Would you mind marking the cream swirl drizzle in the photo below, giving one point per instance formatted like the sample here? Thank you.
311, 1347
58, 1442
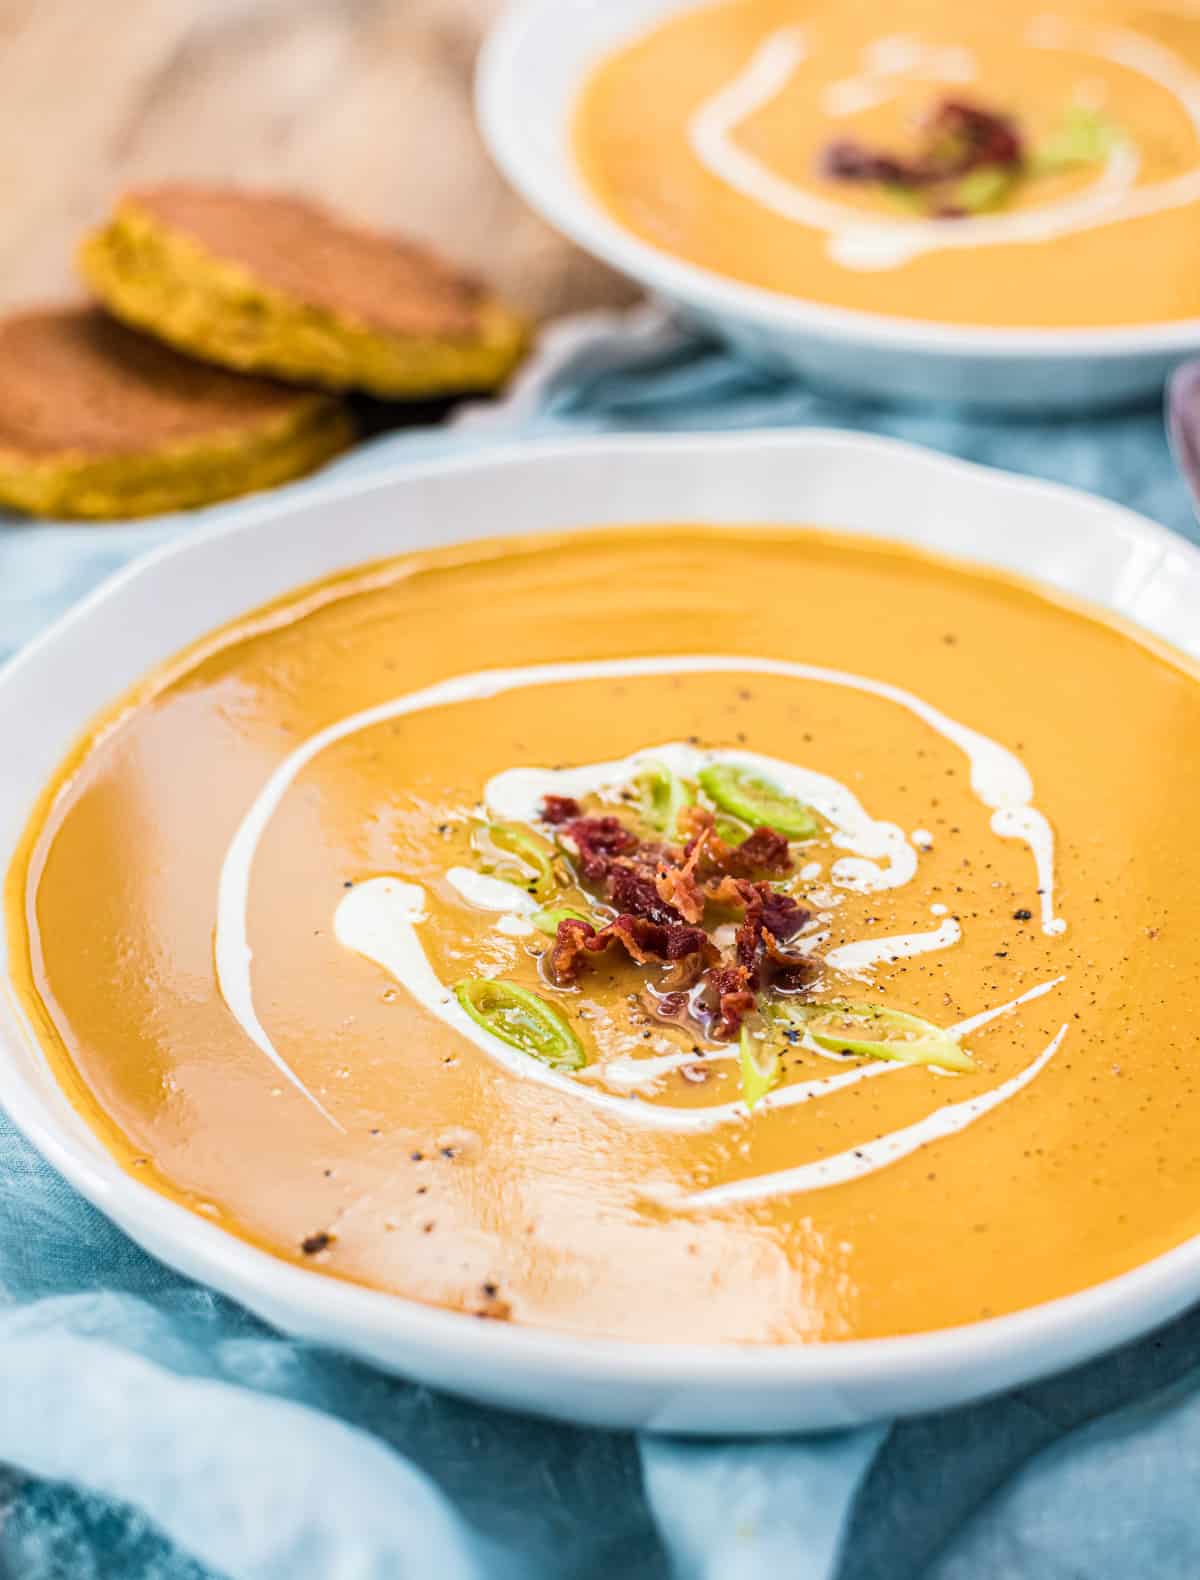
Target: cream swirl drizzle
485, 893
628, 1074
874, 1155
890, 62
860, 957
860, 242
881, 856
379, 919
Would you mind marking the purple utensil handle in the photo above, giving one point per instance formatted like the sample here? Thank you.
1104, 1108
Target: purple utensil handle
1183, 424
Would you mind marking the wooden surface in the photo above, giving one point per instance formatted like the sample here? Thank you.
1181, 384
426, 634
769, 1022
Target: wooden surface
365, 102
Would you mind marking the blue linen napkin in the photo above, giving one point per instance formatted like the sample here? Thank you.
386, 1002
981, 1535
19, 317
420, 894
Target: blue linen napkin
151, 1430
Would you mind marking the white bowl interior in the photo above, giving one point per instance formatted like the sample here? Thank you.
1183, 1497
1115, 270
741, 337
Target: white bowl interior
48, 696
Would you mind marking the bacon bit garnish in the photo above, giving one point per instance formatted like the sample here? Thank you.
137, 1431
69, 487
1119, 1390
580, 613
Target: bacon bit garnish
708, 862
779, 913
965, 136
783, 969
844, 159
769, 915
598, 840
661, 893
774, 950
559, 808
678, 887
728, 890
729, 990
693, 821
789, 972
633, 891
703, 839
762, 851
571, 943
642, 940
959, 138
746, 942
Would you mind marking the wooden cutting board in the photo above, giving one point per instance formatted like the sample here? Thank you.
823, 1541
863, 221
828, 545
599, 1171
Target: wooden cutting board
365, 102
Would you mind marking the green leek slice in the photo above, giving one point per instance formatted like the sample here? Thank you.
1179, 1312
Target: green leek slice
906, 197
758, 1059
662, 796
522, 1020
534, 868
731, 829
1083, 137
989, 187
762, 805
547, 921
873, 1031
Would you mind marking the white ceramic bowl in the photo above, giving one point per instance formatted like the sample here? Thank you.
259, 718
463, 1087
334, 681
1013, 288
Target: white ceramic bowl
49, 694
530, 72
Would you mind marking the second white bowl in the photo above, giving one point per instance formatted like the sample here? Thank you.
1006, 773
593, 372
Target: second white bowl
530, 72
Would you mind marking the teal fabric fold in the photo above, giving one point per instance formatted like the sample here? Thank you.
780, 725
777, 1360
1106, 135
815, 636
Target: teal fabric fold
152, 1430
737, 1511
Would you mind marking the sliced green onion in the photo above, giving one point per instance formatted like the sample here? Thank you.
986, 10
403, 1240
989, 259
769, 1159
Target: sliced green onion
758, 1057
731, 829
547, 921
762, 805
986, 188
906, 197
873, 1031
535, 863
1083, 137
662, 796
522, 1020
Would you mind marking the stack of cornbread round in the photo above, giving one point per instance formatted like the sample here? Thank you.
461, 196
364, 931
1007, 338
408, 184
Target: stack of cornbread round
230, 327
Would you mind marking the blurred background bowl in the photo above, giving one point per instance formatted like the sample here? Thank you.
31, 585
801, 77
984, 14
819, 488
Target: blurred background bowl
532, 67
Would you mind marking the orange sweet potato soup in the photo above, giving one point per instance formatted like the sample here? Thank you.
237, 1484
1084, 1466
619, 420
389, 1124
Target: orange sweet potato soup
1004, 164
673, 932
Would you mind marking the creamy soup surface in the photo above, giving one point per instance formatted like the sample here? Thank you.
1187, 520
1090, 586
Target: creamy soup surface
1004, 164
675, 933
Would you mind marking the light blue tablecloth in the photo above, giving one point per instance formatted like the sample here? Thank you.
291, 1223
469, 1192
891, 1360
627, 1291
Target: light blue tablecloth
153, 1431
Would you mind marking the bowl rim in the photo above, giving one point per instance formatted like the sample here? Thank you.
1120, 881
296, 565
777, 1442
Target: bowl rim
575, 214
1063, 1330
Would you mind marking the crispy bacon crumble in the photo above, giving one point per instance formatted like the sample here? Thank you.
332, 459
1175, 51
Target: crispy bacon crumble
642, 940
663, 895
732, 999
559, 809
958, 139
598, 840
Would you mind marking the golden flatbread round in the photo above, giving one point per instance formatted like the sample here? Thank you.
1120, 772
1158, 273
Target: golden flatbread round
99, 422
278, 285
